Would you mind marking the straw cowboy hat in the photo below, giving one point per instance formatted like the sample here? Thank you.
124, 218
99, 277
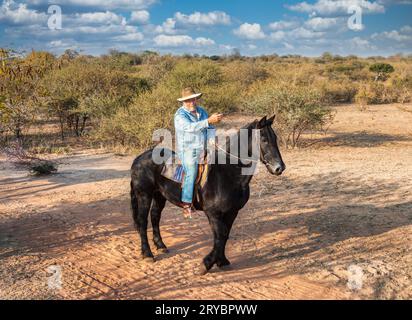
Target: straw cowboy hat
189, 93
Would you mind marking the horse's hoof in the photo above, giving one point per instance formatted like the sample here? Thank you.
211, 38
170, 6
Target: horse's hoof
223, 263
226, 267
148, 259
201, 270
163, 250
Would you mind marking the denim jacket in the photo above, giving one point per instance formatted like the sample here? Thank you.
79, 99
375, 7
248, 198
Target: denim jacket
192, 133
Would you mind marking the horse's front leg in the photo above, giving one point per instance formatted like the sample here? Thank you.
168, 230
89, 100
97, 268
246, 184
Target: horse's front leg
228, 220
220, 236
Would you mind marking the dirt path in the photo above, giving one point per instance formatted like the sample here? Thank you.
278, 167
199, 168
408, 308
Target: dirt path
342, 211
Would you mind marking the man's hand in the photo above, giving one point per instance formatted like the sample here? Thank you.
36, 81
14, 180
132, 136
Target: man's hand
215, 118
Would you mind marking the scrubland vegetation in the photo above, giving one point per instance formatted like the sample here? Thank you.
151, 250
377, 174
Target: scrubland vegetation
49, 103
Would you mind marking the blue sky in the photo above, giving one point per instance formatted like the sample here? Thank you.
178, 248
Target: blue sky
210, 27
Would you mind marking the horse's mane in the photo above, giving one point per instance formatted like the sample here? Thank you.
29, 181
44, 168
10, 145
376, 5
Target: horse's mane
249, 126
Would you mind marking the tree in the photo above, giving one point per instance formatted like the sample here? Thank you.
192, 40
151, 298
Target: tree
19, 78
382, 71
82, 92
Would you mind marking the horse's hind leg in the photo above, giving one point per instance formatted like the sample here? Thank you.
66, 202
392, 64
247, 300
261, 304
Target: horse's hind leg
158, 205
141, 202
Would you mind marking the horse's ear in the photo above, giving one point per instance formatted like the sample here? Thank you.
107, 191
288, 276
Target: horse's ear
271, 119
262, 123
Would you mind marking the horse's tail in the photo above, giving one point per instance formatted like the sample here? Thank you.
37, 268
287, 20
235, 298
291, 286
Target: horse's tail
134, 206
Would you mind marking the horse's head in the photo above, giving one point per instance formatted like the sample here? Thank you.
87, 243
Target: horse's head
269, 150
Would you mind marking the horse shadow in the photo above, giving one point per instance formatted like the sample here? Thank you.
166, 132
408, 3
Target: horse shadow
353, 210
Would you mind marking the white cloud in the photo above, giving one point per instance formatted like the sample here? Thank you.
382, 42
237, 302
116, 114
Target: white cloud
406, 29
19, 14
203, 19
108, 29
141, 17
300, 34
101, 4
303, 33
321, 24
277, 35
181, 22
283, 25
59, 44
394, 40
331, 7
250, 31
100, 18
226, 47
168, 27
360, 44
204, 41
134, 36
288, 46
92, 32
181, 41
394, 35
394, 2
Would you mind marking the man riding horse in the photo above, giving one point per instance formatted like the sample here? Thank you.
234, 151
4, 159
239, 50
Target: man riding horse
193, 129
227, 189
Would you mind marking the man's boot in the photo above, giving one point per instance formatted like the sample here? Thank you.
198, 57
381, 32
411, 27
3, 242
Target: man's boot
188, 210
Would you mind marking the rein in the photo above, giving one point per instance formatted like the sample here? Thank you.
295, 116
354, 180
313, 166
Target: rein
250, 160
232, 155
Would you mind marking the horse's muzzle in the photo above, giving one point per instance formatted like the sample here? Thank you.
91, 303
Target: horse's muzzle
277, 169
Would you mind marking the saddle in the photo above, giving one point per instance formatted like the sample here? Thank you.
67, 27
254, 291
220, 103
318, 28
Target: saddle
173, 170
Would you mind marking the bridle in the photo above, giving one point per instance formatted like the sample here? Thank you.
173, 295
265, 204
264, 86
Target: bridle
262, 156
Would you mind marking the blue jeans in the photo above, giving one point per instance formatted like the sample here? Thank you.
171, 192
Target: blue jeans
190, 160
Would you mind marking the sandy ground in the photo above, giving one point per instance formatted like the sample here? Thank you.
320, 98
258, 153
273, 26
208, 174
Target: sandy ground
336, 225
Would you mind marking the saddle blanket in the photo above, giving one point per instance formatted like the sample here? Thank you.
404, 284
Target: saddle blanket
174, 171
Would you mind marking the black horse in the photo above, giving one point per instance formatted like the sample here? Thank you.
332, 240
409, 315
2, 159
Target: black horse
225, 193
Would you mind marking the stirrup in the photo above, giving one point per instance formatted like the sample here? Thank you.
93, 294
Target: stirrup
188, 211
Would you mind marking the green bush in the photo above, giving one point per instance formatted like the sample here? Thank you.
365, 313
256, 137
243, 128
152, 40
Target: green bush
382, 71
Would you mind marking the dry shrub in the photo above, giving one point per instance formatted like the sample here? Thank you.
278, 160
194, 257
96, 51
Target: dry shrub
223, 99
17, 154
296, 73
297, 109
337, 91
244, 73
380, 93
156, 68
134, 127
123, 97
402, 87
197, 74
